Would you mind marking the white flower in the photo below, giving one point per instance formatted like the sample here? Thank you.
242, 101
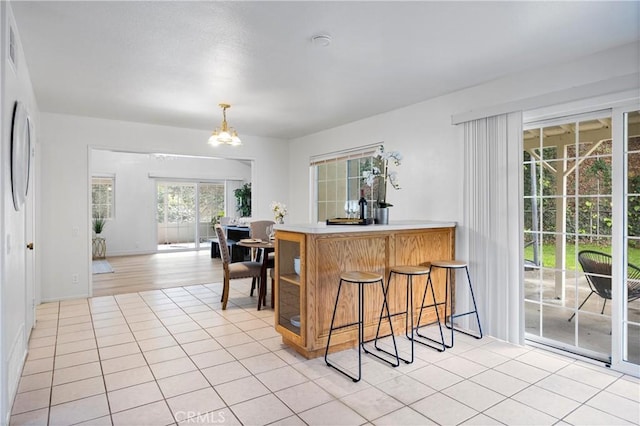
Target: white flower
279, 209
380, 168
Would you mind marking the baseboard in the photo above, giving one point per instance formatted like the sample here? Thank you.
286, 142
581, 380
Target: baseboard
15, 364
130, 253
58, 299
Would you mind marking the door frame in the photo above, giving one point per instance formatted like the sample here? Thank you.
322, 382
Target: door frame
619, 247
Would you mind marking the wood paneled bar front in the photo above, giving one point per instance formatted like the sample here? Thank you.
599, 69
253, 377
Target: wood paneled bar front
305, 297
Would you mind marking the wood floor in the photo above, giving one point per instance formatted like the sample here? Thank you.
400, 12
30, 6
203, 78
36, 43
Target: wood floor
156, 271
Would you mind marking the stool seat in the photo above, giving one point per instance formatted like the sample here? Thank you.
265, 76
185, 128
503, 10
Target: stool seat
411, 270
454, 264
360, 277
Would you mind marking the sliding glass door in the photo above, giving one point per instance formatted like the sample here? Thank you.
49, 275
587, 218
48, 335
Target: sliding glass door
627, 343
581, 230
185, 211
568, 223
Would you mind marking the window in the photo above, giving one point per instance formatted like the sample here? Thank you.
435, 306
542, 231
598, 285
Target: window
102, 197
339, 178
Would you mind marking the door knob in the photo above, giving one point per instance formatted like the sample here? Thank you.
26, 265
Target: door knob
30, 246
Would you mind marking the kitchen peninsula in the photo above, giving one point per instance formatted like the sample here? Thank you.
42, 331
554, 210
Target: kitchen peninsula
304, 298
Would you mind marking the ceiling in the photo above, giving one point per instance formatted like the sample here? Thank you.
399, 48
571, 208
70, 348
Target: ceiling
173, 62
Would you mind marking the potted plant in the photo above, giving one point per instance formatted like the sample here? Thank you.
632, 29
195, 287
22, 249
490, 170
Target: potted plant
98, 225
379, 176
243, 200
99, 246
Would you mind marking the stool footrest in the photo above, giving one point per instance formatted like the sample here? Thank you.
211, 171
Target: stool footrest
475, 336
351, 324
462, 314
440, 348
406, 361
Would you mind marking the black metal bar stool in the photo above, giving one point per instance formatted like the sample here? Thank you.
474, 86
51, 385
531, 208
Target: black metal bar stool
361, 279
409, 327
451, 266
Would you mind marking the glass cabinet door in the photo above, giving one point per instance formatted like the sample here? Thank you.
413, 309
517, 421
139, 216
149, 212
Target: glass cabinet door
290, 271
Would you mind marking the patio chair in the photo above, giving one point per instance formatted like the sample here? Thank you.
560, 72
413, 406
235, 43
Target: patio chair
597, 270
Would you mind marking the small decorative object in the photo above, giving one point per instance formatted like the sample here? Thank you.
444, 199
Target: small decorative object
296, 265
295, 321
20, 154
363, 206
382, 215
279, 211
378, 177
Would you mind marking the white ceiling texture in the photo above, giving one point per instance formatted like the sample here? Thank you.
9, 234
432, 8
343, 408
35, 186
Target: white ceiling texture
173, 62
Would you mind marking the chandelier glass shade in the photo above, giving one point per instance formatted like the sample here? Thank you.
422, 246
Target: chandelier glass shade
224, 135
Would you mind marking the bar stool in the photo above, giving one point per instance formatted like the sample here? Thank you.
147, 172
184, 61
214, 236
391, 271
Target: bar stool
451, 266
410, 272
361, 279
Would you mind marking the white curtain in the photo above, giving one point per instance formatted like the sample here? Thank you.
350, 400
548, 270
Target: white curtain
491, 232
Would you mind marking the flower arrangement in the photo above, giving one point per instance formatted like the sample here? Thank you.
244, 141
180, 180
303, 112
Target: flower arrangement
279, 210
381, 175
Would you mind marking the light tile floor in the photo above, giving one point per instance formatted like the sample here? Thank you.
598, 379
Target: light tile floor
174, 357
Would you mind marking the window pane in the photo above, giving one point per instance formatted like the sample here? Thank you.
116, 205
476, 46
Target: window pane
339, 181
102, 197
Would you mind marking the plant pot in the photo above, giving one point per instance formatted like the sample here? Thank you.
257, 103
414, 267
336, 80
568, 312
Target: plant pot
382, 216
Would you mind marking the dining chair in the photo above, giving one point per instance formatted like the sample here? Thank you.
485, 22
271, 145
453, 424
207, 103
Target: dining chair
234, 270
259, 229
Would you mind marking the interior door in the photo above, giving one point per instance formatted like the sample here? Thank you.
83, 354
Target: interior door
30, 253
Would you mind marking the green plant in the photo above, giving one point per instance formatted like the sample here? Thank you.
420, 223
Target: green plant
216, 219
243, 200
98, 224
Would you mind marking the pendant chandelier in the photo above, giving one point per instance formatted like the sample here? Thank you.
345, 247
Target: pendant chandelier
225, 134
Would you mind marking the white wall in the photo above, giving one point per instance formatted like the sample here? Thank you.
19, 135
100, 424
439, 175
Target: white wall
133, 228
431, 174
15, 84
67, 142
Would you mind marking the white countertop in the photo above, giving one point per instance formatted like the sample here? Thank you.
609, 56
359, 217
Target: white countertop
323, 228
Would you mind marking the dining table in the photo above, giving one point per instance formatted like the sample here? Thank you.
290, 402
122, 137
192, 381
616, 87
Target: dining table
263, 248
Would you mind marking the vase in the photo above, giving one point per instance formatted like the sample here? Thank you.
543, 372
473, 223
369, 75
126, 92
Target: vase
279, 220
382, 215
